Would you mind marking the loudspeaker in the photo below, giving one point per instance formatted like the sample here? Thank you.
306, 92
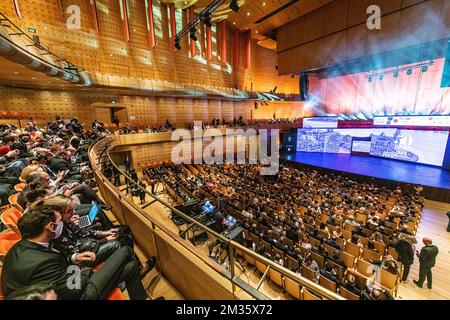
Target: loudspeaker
304, 86
446, 73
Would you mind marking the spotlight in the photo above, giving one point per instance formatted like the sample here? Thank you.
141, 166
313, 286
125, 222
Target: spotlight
177, 44
234, 5
381, 77
424, 69
192, 35
395, 74
370, 79
409, 72
207, 21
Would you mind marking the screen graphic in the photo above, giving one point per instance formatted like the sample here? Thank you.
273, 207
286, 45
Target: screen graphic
427, 147
320, 122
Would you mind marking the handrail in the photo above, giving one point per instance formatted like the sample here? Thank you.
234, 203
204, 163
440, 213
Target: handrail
232, 245
47, 51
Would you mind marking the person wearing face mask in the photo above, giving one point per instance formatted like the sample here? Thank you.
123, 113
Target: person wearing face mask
31, 261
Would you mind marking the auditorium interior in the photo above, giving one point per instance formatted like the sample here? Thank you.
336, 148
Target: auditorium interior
224, 149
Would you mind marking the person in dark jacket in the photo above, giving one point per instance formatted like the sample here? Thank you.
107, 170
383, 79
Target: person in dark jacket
427, 258
31, 261
405, 255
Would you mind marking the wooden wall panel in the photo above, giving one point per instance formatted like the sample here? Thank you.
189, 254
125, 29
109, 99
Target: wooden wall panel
444, 21
108, 53
356, 42
387, 6
336, 48
403, 24
386, 38
200, 111
357, 12
281, 39
407, 3
281, 111
295, 33
335, 17
313, 26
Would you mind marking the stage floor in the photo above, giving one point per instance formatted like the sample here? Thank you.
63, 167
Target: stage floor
375, 167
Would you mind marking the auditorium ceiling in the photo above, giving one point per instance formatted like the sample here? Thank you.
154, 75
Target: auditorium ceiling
260, 16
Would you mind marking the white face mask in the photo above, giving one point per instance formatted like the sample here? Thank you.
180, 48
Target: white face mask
58, 230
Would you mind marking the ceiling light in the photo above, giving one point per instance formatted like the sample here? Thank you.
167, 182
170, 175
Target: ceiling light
248, 13
264, 4
34, 78
234, 23
424, 69
409, 72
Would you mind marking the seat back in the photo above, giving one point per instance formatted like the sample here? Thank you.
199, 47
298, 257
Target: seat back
327, 283
250, 260
364, 267
10, 218
2, 295
352, 249
371, 255
347, 294
13, 201
308, 295
276, 277
309, 273
388, 280
261, 267
19, 187
8, 239
293, 288
318, 258
349, 259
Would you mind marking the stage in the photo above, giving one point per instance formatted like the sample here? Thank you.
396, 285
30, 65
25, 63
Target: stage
436, 181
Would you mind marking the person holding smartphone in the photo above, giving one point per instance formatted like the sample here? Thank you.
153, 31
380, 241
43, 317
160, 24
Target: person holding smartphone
427, 258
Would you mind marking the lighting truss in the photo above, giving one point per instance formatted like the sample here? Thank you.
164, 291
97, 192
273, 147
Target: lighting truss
395, 72
207, 12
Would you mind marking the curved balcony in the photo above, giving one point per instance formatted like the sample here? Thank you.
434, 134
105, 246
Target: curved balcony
188, 268
18, 47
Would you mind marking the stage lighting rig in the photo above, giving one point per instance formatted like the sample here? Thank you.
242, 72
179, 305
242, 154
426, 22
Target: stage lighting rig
204, 16
192, 35
234, 5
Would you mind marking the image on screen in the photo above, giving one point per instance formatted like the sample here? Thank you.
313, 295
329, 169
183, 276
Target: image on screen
361, 146
426, 147
320, 122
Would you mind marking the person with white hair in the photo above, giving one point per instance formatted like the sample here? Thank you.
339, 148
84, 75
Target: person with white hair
427, 258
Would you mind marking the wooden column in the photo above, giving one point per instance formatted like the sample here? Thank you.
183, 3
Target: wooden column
150, 25
248, 48
173, 25
17, 8
95, 15
124, 16
208, 44
223, 42
192, 44
236, 48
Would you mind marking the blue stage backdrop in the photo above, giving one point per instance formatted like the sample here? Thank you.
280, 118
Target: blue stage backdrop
427, 147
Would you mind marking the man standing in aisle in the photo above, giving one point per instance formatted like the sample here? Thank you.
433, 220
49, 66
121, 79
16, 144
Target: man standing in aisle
427, 258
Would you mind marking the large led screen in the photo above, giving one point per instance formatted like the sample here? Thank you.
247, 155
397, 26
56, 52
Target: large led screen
411, 145
320, 122
426, 147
